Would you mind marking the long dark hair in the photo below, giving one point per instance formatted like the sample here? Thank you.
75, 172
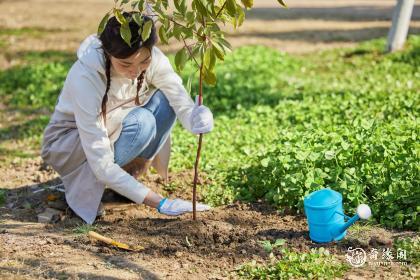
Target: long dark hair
114, 45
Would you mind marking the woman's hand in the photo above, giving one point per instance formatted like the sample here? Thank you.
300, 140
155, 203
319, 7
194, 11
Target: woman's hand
179, 206
201, 119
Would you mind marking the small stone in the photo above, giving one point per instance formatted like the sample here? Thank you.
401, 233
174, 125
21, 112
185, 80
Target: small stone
243, 251
178, 254
49, 215
49, 241
184, 265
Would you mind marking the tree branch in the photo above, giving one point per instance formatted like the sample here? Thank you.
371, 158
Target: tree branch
221, 9
189, 51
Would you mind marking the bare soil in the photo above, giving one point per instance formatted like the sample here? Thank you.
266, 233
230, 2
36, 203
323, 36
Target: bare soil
174, 247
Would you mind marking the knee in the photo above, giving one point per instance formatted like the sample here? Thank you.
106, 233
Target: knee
143, 121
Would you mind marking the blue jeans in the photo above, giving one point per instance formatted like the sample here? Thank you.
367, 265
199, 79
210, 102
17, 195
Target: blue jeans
144, 130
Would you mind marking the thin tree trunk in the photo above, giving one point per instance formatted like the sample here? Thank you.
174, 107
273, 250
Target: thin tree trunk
197, 158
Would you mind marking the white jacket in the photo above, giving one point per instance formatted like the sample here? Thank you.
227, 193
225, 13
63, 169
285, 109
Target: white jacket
82, 96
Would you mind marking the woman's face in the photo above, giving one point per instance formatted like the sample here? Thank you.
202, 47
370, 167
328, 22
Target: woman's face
132, 66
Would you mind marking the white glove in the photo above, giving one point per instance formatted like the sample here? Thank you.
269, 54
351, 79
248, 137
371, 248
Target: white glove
201, 119
179, 206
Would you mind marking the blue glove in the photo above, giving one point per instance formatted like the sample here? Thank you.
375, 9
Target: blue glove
179, 206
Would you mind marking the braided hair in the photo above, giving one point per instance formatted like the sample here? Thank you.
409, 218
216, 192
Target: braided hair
114, 45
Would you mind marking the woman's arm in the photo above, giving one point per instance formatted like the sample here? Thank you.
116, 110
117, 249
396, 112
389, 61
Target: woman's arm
85, 89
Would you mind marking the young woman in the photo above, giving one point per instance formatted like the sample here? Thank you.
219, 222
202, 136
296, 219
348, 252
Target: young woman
113, 120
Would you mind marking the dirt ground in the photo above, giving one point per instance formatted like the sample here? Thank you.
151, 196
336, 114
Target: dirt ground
212, 247
175, 248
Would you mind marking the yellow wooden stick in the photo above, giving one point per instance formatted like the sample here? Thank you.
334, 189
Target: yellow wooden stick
110, 241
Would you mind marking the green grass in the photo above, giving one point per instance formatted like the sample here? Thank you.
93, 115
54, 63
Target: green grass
411, 246
316, 264
285, 126
344, 119
31, 31
84, 229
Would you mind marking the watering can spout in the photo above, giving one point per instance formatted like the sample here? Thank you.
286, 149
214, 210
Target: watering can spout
363, 212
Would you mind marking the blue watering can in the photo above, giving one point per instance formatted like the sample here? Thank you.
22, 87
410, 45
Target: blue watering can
324, 211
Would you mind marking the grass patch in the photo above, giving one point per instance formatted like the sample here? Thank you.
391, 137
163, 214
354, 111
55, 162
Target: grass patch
28, 129
29, 31
317, 264
411, 248
40, 57
84, 229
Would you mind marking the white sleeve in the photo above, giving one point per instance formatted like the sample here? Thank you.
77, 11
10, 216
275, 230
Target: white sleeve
86, 103
166, 79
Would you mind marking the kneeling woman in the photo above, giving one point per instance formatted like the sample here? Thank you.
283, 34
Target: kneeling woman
113, 120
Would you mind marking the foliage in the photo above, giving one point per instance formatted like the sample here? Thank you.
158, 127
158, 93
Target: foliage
356, 132
196, 22
268, 246
84, 228
286, 125
316, 264
411, 247
33, 86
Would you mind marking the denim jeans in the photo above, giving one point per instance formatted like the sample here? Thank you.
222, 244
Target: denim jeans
144, 130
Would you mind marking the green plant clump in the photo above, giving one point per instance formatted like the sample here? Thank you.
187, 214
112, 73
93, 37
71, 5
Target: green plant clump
317, 264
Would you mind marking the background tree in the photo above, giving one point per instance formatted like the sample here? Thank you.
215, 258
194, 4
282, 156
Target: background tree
197, 25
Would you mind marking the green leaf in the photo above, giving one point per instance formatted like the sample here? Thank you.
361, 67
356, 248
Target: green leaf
200, 8
282, 3
162, 35
121, 19
265, 161
329, 155
209, 59
367, 124
345, 145
138, 19
147, 28
181, 58
189, 83
218, 49
231, 7
181, 6
248, 3
125, 33
209, 77
225, 44
239, 20
141, 5
102, 24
